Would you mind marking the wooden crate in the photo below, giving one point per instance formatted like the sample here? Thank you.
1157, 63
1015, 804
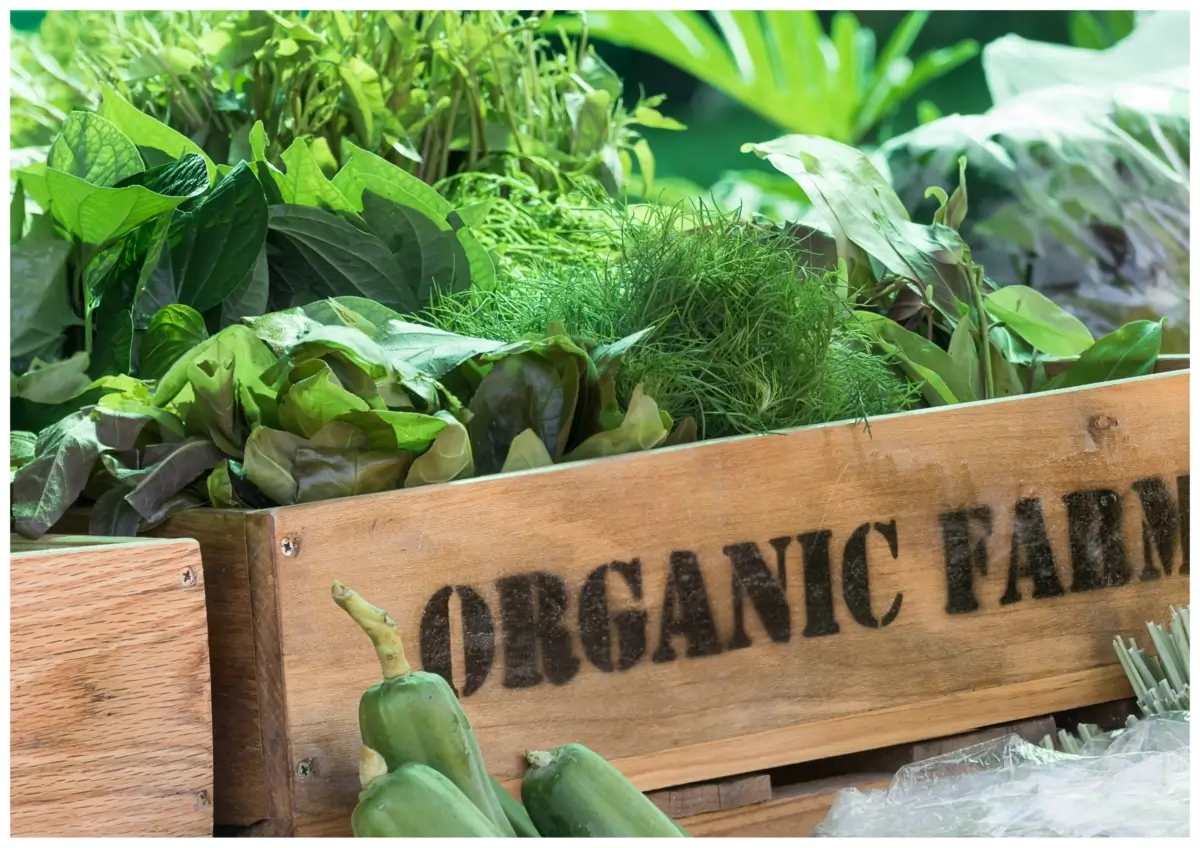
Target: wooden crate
111, 724
714, 609
791, 807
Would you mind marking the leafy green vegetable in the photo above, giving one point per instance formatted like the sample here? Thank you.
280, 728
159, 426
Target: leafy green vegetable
448, 458
44, 488
145, 132
643, 428
270, 463
174, 330
316, 400
216, 242
94, 150
55, 382
1036, 319
527, 451
323, 473
1128, 352
323, 256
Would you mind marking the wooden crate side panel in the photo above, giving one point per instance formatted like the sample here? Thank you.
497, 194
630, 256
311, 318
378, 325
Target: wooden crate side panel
111, 725
240, 788
601, 604
786, 816
278, 770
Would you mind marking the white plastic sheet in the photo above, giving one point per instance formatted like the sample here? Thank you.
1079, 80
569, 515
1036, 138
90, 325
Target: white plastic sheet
1128, 783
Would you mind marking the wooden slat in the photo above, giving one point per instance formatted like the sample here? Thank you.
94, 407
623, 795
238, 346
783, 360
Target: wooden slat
682, 801
694, 717
111, 724
793, 813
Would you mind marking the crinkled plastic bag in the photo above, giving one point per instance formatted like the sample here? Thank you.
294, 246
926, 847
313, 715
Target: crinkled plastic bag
1078, 177
1128, 783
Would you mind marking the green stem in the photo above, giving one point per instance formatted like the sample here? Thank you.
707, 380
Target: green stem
379, 626
985, 357
371, 765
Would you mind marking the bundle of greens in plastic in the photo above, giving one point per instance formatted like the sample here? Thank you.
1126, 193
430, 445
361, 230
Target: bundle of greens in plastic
1125, 784
1080, 173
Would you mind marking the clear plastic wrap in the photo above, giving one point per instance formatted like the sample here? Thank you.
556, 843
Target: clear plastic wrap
1128, 783
1078, 177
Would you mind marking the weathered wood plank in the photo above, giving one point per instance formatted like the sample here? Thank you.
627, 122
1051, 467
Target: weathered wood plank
731, 607
682, 801
111, 723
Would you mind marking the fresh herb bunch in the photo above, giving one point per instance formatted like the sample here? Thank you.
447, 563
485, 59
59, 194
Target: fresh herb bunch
436, 92
744, 339
577, 223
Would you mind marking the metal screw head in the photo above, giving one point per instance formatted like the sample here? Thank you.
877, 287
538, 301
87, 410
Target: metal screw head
187, 577
289, 546
202, 799
304, 768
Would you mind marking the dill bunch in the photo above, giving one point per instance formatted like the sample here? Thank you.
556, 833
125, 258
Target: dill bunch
746, 337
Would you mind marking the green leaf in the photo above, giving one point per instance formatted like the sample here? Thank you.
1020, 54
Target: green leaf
173, 331
39, 307
22, 446
16, 213
98, 215
259, 142
178, 466
331, 257
522, 391
589, 115
448, 458
155, 288
216, 242
389, 430
527, 451
1006, 380
304, 184
645, 159
653, 119
862, 212
642, 429
94, 150
168, 61
45, 488
1039, 321
964, 353
315, 401
54, 382
250, 296
1130, 351
269, 463
251, 358
942, 378
429, 255
430, 350
325, 473
475, 214
402, 186
145, 131
367, 107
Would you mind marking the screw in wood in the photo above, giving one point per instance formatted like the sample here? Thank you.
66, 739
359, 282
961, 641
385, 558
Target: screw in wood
304, 768
289, 546
188, 578
202, 799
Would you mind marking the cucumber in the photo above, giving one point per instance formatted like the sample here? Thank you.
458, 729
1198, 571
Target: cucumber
517, 816
414, 716
573, 792
416, 801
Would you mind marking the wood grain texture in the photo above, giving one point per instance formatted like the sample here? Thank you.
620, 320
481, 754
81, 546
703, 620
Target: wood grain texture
111, 723
744, 709
239, 784
681, 801
794, 812
240, 795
